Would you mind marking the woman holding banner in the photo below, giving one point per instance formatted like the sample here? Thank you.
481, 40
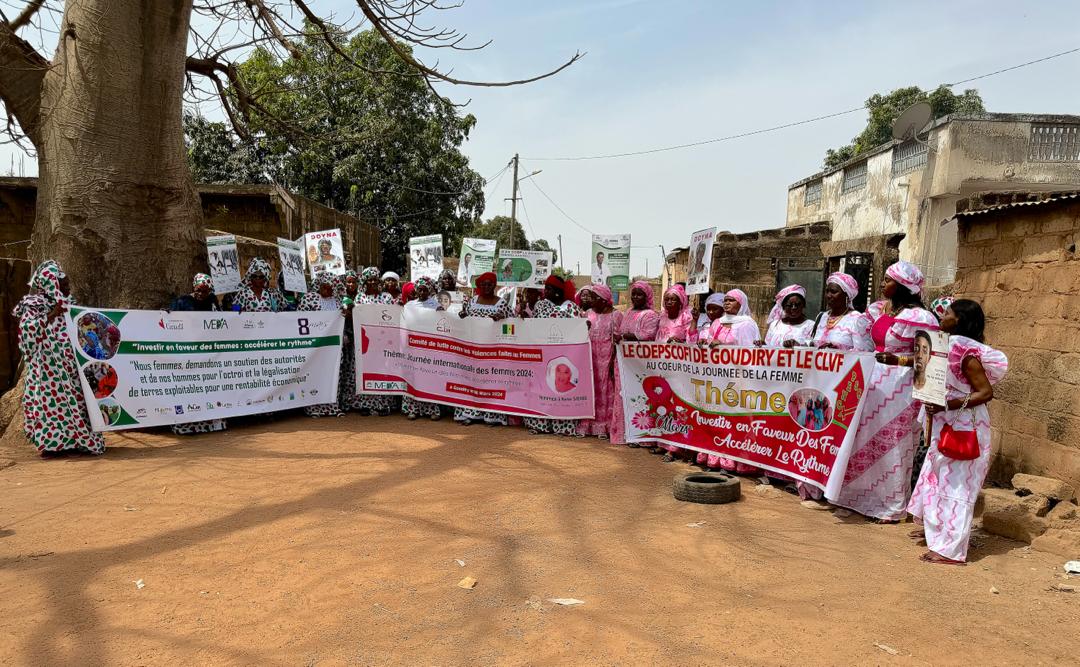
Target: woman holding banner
53, 404
604, 323
376, 404
324, 296
878, 476
639, 323
201, 299
788, 326
425, 300
391, 284
483, 304
558, 302
944, 497
347, 396
256, 296
677, 325
841, 327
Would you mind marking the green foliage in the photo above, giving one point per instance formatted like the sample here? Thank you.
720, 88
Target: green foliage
541, 244
216, 155
884, 109
508, 234
375, 142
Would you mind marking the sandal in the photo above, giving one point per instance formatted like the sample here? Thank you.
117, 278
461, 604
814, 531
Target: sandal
411, 418
938, 559
435, 418
465, 422
667, 458
633, 445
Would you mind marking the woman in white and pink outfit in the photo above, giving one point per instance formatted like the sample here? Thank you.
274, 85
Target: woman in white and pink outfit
944, 497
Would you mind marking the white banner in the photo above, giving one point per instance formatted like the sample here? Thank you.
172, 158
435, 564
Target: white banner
291, 254
325, 252
611, 261
224, 263
142, 368
425, 257
700, 264
523, 268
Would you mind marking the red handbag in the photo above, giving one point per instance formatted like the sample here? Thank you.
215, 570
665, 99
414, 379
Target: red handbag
959, 445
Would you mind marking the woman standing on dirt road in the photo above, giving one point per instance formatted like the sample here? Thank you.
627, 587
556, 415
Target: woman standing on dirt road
604, 322
558, 302
484, 303
376, 404
944, 497
425, 300
878, 477
201, 299
54, 409
639, 323
324, 295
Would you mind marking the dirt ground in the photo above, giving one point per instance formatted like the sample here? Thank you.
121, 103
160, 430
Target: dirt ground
334, 541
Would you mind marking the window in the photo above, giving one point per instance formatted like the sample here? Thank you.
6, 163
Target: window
1055, 143
908, 157
854, 177
813, 193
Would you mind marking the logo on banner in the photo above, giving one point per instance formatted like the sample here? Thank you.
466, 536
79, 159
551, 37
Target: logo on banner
215, 325
179, 409
171, 325
555, 335
508, 329
443, 326
141, 412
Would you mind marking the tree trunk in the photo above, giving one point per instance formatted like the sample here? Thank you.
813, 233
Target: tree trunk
116, 203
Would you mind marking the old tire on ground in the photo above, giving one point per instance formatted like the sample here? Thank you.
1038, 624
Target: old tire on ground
708, 488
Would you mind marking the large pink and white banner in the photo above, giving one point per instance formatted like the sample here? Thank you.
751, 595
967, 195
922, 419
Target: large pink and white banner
531, 368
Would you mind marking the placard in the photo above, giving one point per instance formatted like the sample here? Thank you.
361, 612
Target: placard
325, 252
477, 257
611, 261
425, 257
699, 267
931, 366
224, 263
291, 255
523, 268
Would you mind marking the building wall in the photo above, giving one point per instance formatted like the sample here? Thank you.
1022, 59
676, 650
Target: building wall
968, 154
1021, 265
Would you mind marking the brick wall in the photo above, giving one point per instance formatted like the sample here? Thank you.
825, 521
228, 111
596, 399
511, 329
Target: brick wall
1020, 263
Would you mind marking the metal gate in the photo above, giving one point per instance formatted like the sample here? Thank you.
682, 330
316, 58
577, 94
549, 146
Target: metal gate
860, 266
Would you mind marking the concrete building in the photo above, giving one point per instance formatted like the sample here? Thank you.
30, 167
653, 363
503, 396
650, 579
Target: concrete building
1017, 257
891, 202
256, 214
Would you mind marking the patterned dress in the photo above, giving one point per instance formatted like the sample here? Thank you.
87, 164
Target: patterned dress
55, 413
378, 404
472, 308
188, 303
742, 332
878, 475
602, 344
944, 497
410, 407
547, 309
270, 301
850, 332
314, 302
643, 325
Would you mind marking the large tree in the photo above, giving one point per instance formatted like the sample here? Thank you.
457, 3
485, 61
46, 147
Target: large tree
884, 109
116, 202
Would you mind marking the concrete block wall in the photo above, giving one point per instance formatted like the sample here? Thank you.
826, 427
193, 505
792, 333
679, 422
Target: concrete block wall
1020, 263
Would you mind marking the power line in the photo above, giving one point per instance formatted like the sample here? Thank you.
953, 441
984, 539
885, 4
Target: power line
774, 128
559, 208
528, 219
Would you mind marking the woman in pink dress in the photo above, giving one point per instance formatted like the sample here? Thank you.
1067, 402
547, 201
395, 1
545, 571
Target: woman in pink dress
841, 327
639, 323
735, 327
944, 497
677, 325
604, 324
877, 479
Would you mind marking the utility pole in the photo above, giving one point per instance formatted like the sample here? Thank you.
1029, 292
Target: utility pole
514, 201
560, 252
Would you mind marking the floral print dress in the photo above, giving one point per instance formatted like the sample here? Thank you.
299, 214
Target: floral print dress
565, 310
378, 404
314, 302
53, 405
472, 308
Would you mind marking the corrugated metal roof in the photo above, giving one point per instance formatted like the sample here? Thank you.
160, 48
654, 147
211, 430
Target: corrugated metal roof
1017, 204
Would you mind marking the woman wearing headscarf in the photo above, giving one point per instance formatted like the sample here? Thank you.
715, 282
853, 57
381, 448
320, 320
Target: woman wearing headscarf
447, 281
736, 326
391, 284
347, 397
53, 405
256, 296
376, 404
558, 302
676, 321
604, 323
944, 497
201, 299
324, 296
841, 327
878, 475
640, 322
484, 303
714, 309
788, 325
425, 300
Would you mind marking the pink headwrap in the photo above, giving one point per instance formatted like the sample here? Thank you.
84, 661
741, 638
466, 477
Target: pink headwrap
644, 287
777, 312
744, 302
678, 328
847, 284
601, 291
908, 275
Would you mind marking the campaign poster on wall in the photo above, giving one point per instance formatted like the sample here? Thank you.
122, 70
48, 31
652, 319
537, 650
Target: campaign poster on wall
425, 257
141, 368
477, 257
700, 263
931, 365
523, 268
325, 252
611, 261
224, 263
291, 255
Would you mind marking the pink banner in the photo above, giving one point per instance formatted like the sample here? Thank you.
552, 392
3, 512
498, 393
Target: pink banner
531, 368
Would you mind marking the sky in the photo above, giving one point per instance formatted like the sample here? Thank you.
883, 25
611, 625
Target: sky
658, 73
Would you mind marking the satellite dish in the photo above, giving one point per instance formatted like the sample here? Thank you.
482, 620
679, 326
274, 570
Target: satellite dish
912, 121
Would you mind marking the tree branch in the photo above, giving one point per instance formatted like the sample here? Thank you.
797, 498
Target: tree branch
26, 14
22, 70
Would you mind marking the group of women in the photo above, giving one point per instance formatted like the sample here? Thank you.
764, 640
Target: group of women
878, 475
